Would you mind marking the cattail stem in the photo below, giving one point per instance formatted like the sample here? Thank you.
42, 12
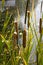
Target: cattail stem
37, 57
26, 10
40, 29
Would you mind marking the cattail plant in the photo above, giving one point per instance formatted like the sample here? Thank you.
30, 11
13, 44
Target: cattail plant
40, 30
16, 29
16, 26
40, 44
24, 38
15, 38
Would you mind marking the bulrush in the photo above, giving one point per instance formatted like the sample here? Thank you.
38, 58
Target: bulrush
28, 13
15, 38
24, 38
16, 29
40, 26
15, 34
16, 26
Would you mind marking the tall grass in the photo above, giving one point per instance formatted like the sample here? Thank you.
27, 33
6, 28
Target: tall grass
13, 55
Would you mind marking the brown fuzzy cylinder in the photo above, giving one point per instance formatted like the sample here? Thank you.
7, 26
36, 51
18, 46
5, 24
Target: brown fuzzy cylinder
24, 38
16, 26
15, 36
16, 29
15, 39
28, 18
40, 26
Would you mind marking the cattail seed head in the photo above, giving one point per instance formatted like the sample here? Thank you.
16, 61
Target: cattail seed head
16, 29
24, 38
15, 35
16, 26
15, 38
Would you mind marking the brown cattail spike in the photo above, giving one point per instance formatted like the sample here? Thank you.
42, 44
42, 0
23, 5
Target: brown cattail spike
16, 29
15, 38
40, 27
24, 38
16, 26
28, 18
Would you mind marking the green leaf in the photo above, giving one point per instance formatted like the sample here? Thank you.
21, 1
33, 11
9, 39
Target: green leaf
6, 23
